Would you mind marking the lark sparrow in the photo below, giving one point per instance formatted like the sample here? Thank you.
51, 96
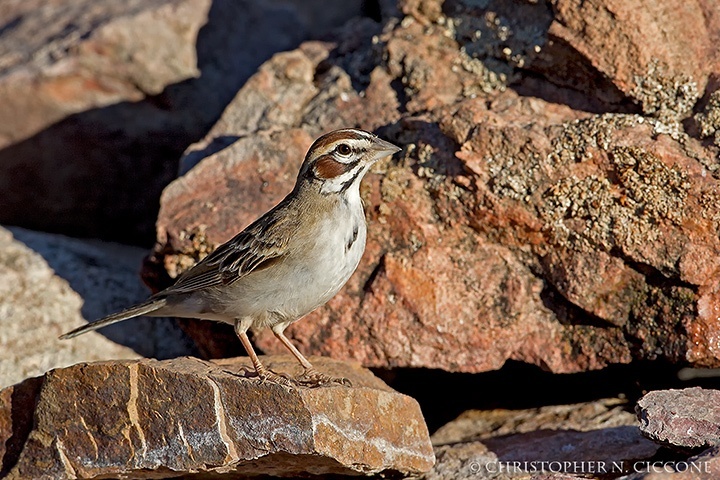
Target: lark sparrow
287, 263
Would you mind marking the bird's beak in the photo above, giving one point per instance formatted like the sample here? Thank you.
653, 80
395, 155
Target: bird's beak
382, 149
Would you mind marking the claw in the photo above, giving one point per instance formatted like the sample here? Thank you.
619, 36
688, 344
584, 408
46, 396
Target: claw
280, 378
344, 381
312, 378
266, 376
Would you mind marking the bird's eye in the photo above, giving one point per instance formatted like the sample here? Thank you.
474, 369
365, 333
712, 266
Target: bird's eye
344, 149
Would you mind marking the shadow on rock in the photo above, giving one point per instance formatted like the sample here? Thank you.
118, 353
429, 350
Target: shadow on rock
100, 172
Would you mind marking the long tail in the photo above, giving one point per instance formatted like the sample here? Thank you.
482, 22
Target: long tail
134, 311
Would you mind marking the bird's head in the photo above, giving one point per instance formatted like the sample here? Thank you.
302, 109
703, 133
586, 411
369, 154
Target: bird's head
337, 161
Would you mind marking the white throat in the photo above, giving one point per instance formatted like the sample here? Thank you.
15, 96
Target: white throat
340, 182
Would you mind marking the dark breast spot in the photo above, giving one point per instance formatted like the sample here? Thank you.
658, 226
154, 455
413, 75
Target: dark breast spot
352, 239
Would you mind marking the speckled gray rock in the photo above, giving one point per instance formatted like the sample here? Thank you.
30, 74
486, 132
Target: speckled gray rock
50, 284
196, 419
684, 418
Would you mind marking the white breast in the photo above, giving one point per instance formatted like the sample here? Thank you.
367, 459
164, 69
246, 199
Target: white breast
318, 267
340, 246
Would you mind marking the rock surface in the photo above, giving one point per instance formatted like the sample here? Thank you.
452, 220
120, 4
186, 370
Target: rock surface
581, 417
73, 57
515, 224
617, 41
100, 98
77, 122
50, 284
683, 418
150, 419
564, 441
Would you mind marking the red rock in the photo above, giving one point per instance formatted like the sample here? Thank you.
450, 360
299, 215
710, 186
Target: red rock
622, 42
15, 426
510, 227
154, 419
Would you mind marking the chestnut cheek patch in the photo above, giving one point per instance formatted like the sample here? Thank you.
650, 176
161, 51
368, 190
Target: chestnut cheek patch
327, 168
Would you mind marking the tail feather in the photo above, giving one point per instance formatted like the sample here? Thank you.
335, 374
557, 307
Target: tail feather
134, 311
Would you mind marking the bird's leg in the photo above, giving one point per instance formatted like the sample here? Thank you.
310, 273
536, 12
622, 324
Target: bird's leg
311, 377
241, 328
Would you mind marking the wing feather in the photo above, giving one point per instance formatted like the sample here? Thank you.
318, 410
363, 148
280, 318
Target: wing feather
262, 243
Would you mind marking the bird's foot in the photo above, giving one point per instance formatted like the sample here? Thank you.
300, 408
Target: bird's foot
266, 375
312, 378
279, 378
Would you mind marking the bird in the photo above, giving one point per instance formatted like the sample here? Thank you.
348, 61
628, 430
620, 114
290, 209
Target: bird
290, 261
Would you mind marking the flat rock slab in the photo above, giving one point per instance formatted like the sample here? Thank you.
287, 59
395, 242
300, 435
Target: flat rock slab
159, 419
683, 418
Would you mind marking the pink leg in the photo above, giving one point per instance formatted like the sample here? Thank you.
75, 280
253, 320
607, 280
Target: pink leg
311, 377
263, 373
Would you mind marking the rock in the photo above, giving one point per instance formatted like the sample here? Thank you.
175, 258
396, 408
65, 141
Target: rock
151, 419
85, 112
581, 417
50, 284
100, 98
708, 120
554, 442
510, 227
683, 418
463, 461
604, 48
75, 57
618, 41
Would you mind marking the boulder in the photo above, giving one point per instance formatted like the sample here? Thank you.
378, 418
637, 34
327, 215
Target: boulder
191, 418
50, 284
687, 418
616, 42
87, 129
516, 223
